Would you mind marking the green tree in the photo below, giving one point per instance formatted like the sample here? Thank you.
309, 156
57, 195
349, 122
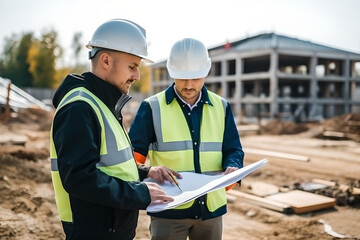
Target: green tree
77, 46
13, 62
45, 52
23, 75
7, 58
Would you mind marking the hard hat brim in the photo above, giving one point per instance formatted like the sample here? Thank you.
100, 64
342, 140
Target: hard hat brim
189, 75
92, 54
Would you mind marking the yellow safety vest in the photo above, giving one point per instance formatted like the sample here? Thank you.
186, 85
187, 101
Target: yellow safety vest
116, 156
174, 146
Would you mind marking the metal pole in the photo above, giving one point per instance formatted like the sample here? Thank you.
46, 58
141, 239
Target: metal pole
6, 115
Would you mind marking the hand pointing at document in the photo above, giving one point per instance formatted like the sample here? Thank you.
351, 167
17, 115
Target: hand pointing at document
157, 195
161, 174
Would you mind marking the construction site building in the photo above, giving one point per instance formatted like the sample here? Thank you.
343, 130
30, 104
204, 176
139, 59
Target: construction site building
275, 76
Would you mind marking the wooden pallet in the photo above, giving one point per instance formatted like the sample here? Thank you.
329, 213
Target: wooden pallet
302, 202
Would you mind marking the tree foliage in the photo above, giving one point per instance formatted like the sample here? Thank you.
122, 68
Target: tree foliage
13, 62
8, 56
30, 61
77, 46
44, 66
21, 60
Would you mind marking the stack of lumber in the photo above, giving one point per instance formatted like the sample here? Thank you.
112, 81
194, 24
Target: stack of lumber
292, 201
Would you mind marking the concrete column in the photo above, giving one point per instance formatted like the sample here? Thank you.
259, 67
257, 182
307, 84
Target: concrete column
313, 88
273, 82
256, 92
238, 89
346, 89
223, 82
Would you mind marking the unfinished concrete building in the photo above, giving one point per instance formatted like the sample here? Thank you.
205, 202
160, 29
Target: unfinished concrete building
271, 75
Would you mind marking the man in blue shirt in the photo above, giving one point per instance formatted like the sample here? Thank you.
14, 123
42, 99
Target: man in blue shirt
188, 128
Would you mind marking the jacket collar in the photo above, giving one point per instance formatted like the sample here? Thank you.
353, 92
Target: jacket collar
113, 98
107, 93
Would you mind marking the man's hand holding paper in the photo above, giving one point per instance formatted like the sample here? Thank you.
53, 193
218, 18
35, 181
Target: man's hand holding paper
195, 185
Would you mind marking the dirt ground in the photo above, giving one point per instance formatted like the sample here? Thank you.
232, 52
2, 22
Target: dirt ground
28, 211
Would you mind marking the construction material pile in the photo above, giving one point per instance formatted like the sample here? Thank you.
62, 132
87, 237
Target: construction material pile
342, 127
344, 194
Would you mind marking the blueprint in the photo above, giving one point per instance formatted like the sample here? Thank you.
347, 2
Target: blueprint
195, 185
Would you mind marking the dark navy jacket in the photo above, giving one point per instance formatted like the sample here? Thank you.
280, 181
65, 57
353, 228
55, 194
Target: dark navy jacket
142, 134
103, 207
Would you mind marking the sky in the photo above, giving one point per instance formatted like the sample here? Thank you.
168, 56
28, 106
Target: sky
334, 23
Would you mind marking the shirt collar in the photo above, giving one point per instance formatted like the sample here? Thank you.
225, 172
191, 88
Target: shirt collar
191, 107
171, 95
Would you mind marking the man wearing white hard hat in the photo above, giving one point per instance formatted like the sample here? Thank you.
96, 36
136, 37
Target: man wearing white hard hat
188, 128
96, 179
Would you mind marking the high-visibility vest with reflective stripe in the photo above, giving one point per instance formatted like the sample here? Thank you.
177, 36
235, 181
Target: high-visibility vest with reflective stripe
174, 145
116, 156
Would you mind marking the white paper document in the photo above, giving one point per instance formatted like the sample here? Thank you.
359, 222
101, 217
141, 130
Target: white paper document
195, 185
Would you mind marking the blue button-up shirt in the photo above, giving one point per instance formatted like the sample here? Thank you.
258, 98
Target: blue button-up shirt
142, 134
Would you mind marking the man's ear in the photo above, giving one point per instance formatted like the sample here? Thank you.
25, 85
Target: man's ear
105, 60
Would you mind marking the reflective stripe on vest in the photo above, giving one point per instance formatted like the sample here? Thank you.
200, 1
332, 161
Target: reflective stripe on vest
116, 157
174, 145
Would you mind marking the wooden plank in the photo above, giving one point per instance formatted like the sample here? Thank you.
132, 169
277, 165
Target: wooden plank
353, 123
262, 202
325, 182
334, 135
302, 202
260, 189
11, 139
277, 154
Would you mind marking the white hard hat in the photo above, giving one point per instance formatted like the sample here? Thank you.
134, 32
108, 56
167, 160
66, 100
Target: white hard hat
189, 59
120, 35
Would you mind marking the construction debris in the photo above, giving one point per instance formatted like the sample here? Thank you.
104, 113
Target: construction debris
328, 229
343, 127
310, 186
344, 194
280, 127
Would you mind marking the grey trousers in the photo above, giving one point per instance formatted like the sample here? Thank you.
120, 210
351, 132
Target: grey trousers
180, 229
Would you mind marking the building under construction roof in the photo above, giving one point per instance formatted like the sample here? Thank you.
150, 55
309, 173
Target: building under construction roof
271, 75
